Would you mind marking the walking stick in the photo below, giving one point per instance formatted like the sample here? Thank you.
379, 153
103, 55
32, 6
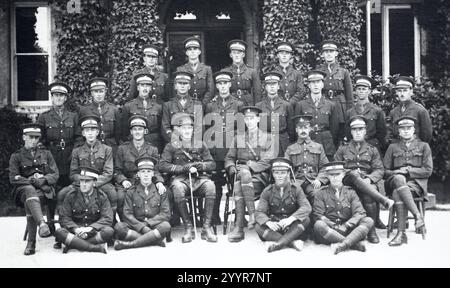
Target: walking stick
233, 204
194, 216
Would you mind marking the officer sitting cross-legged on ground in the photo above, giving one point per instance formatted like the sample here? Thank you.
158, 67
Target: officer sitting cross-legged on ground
86, 216
283, 211
146, 212
339, 216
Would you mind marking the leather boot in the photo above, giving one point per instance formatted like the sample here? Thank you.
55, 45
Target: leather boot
420, 225
188, 229
238, 232
371, 209
359, 246
355, 181
293, 233
338, 247
33, 205
32, 230
148, 239
207, 231
378, 223
30, 249
249, 197
216, 211
400, 238
83, 245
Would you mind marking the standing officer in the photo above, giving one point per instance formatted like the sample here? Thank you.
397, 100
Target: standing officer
33, 173
307, 157
221, 110
92, 154
365, 171
408, 166
245, 84
146, 106
408, 107
181, 103
107, 113
283, 211
202, 83
291, 85
86, 216
338, 214
326, 118
375, 117
125, 169
278, 113
180, 157
248, 162
338, 84
160, 92
146, 212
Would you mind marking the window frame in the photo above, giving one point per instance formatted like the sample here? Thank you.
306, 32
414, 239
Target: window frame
14, 54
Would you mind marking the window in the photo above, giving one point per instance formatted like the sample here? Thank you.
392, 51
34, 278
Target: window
31, 52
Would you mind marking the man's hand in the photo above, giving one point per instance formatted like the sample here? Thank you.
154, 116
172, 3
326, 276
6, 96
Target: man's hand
402, 171
126, 184
161, 188
198, 166
275, 226
367, 180
193, 170
286, 222
316, 184
341, 229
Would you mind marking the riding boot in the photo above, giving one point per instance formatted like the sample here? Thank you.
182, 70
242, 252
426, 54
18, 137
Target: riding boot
148, 239
371, 209
215, 216
188, 229
34, 207
249, 197
378, 223
292, 234
402, 214
75, 242
207, 231
238, 232
32, 230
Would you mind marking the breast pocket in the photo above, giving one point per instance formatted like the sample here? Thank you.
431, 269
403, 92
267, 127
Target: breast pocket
138, 209
108, 125
100, 159
417, 158
399, 159
153, 120
53, 131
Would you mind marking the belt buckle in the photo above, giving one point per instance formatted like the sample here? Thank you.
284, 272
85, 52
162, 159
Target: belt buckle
102, 135
195, 96
330, 94
62, 144
239, 93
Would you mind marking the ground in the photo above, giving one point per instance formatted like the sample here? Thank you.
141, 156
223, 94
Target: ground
432, 252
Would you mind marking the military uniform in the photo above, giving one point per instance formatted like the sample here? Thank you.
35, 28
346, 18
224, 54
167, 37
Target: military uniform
245, 84
292, 87
161, 90
202, 85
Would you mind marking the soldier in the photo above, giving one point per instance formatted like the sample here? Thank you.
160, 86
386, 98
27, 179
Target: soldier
181, 103
86, 216
338, 84
291, 85
307, 157
160, 92
339, 216
278, 113
146, 211
92, 154
146, 106
245, 84
222, 110
125, 169
326, 118
408, 166
366, 170
202, 83
283, 211
408, 107
184, 156
248, 162
33, 173
107, 112
375, 117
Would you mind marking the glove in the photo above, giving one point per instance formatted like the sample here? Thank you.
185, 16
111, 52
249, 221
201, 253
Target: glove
38, 183
198, 166
232, 171
187, 167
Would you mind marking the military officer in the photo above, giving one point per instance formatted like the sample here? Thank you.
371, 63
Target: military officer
407, 107
365, 171
292, 88
277, 113
160, 89
307, 157
181, 157
283, 211
202, 83
339, 216
220, 114
125, 169
92, 154
107, 112
245, 84
408, 165
146, 106
326, 118
248, 163
181, 103
33, 174
146, 211
86, 216
337, 83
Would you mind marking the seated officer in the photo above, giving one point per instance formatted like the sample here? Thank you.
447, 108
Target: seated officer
408, 165
366, 169
184, 156
307, 157
86, 216
283, 211
33, 173
338, 214
146, 212
248, 162
125, 168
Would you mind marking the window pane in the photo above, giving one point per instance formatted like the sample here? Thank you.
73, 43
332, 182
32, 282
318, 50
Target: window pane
32, 78
401, 41
32, 33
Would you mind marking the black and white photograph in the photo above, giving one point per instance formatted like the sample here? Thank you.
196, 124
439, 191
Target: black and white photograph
241, 135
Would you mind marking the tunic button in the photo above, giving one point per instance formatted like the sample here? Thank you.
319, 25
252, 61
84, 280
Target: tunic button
146, 211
